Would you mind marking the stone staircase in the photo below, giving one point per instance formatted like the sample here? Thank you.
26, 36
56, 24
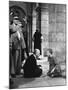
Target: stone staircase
44, 65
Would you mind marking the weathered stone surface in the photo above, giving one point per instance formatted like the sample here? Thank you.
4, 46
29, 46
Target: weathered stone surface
45, 37
52, 27
52, 8
60, 27
57, 31
60, 17
44, 10
52, 17
44, 30
44, 67
60, 37
34, 28
33, 25
52, 37
44, 5
45, 45
61, 8
44, 17
34, 20
57, 37
44, 24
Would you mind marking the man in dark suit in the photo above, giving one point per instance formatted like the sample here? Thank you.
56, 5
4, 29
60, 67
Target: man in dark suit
31, 69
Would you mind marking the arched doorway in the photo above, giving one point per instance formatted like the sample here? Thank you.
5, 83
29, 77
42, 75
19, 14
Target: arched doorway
16, 10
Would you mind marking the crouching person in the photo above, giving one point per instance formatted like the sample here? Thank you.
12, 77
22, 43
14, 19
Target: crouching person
54, 68
30, 67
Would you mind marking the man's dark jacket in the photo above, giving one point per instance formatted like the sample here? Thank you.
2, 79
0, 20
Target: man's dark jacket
31, 68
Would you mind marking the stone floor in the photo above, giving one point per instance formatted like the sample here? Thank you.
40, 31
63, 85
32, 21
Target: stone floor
38, 82
43, 81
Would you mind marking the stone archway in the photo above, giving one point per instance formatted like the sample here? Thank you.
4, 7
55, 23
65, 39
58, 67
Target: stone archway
18, 11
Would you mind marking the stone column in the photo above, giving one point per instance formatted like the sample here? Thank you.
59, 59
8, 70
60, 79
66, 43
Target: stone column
38, 17
44, 27
29, 28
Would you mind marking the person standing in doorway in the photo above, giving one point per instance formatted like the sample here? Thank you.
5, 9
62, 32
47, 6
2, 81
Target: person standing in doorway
37, 40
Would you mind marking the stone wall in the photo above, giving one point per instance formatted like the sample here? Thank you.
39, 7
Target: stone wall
57, 30
53, 28
44, 27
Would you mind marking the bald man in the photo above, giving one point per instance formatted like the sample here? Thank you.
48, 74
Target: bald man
31, 69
